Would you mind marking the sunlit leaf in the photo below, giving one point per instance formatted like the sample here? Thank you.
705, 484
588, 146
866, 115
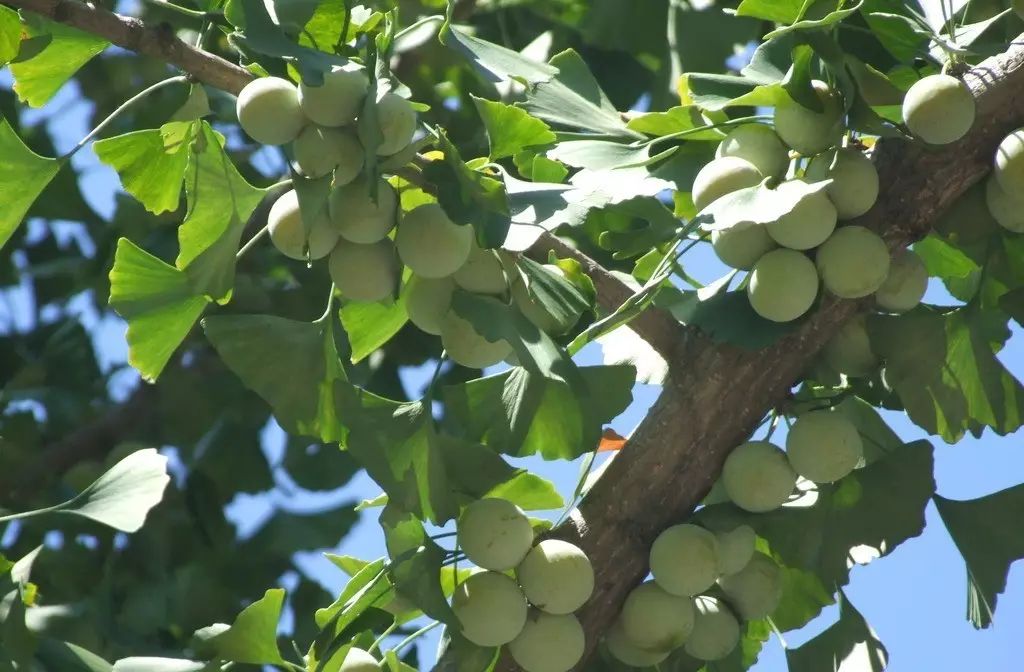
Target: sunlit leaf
123, 496
23, 176
510, 129
151, 163
37, 79
252, 638
848, 644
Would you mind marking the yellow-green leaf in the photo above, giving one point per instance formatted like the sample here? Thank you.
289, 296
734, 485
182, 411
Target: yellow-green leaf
10, 34
151, 164
23, 176
37, 79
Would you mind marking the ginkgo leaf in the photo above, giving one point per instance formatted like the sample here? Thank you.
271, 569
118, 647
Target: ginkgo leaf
23, 176
151, 163
158, 665
252, 638
848, 645
37, 79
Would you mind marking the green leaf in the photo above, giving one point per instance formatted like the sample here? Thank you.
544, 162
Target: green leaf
686, 118
252, 638
158, 665
510, 129
987, 533
363, 574
23, 176
371, 325
779, 11
37, 79
10, 34
559, 298
891, 24
260, 34
829, 19
713, 92
67, 657
151, 163
724, 316
529, 492
849, 643
759, 204
494, 62
416, 563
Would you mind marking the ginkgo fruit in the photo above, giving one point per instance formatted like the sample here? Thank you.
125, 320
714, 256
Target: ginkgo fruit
742, 244
431, 244
356, 660
482, 273
1006, 208
905, 285
716, 632
655, 619
757, 476
824, 446
849, 351
494, 533
939, 109
319, 150
756, 590
759, 145
490, 607
365, 272
808, 224
735, 548
684, 559
548, 643
854, 187
468, 347
269, 112
782, 285
288, 232
808, 131
1009, 166
338, 101
628, 653
427, 301
723, 176
396, 118
853, 262
556, 576
357, 217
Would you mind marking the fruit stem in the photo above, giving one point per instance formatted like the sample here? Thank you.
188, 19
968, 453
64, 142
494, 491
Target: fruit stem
414, 636
384, 635
700, 129
252, 242
195, 14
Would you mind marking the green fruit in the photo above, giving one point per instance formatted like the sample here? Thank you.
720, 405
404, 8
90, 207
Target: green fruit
490, 607
939, 109
482, 273
357, 217
782, 286
269, 112
535, 312
809, 224
320, 150
754, 591
905, 285
339, 99
356, 660
854, 187
466, 347
853, 263
397, 120
716, 631
824, 446
723, 176
805, 130
432, 245
735, 548
427, 301
556, 576
655, 619
849, 351
548, 643
684, 560
742, 244
628, 653
1009, 167
758, 477
759, 145
365, 272
494, 533
288, 233
1005, 207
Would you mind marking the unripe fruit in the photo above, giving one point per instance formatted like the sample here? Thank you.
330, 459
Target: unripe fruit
735, 548
854, 187
759, 145
684, 560
809, 224
339, 99
1006, 208
365, 272
939, 109
269, 112
356, 660
320, 150
755, 590
482, 273
805, 130
465, 346
494, 533
782, 285
490, 607
1009, 168
556, 576
427, 301
716, 631
355, 215
853, 263
723, 176
849, 351
823, 446
397, 120
655, 619
432, 245
548, 643
758, 477
905, 285
628, 653
288, 233
742, 244
535, 312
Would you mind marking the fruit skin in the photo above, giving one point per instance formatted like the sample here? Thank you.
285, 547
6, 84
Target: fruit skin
339, 100
741, 245
556, 576
723, 176
782, 286
853, 263
397, 120
755, 590
269, 112
490, 607
684, 560
427, 301
628, 653
809, 224
1009, 167
482, 273
548, 643
735, 548
905, 285
759, 145
494, 533
854, 189
655, 619
807, 131
288, 234
849, 351
1005, 208
356, 660
716, 632
465, 346
939, 109
356, 217
320, 150
432, 245
824, 446
757, 476
365, 272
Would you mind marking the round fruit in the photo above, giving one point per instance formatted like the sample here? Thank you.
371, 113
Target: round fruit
536, 313
320, 150
716, 631
853, 263
758, 477
723, 176
339, 99
365, 272
849, 351
482, 273
628, 653
269, 112
556, 576
1009, 168
494, 533
742, 244
684, 560
288, 233
735, 548
465, 346
432, 245
655, 619
805, 130
548, 643
854, 187
823, 446
759, 145
905, 285
427, 301
397, 120
755, 590
809, 224
1006, 208
357, 217
782, 285
939, 109
490, 607
356, 660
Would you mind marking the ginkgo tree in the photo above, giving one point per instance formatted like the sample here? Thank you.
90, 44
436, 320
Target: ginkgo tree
318, 196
